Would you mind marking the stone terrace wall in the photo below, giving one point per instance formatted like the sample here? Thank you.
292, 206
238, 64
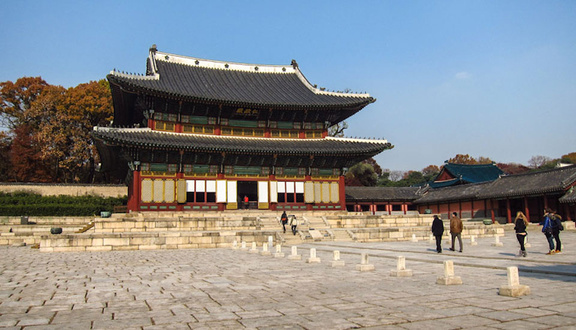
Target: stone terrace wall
104, 190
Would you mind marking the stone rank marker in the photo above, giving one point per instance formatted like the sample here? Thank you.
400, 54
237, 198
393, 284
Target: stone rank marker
401, 270
253, 249
449, 278
497, 241
336, 262
294, 254
278, 253
235, 245
313, 259
265, 251
513, 288
243, 248
364, 266
473, 240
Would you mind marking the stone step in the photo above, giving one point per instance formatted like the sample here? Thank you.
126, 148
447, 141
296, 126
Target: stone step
221, 229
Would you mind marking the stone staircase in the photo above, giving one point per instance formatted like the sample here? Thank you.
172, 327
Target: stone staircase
176, 230
16, 231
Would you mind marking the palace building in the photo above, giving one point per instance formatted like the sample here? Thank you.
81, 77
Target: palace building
196, 134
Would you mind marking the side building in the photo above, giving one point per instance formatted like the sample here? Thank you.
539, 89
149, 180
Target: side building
196, 134
498, 199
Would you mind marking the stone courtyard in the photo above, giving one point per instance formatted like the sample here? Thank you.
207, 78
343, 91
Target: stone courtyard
233, 289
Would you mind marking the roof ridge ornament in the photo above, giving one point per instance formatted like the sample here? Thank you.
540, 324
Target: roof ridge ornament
294, 63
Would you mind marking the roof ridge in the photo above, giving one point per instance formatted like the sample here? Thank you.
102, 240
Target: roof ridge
292, 68
223, 65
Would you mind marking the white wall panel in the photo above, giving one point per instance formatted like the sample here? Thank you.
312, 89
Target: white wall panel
169, 196
146, 190
290, 187
158, 187
200, 185
334, 192
273, 192
317, 192
232, 195
309, 192
281, 187
325, 192
262, 191
299, 187
190, 185
221, 191
210, 186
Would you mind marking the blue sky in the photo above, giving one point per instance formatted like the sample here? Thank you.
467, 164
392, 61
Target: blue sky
486, 78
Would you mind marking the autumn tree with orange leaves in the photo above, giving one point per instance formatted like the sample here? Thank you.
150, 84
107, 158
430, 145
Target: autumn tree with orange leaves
50, 129
468, 160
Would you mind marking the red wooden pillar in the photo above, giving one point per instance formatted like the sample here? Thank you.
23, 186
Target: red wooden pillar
134, 198
389, 209
492, 211
342, 192
508, 211
526, 208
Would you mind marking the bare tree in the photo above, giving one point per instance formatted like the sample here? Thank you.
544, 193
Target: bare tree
338, 129
537, 161
396, 175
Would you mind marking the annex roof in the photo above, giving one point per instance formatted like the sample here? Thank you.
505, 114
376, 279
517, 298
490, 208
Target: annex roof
452, 193
233, 84
389, 194
555, 181
329, 146
550, 181
463, 173
570, 197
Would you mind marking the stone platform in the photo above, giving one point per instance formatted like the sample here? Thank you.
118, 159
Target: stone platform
234, 289
180, 230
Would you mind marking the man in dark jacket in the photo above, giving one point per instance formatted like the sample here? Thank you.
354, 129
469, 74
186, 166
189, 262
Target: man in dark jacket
438, 231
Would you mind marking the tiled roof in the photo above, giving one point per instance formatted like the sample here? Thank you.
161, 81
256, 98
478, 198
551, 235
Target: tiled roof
366, 194
551, 181
463, 173
452, 193
570, 197
234, 84
147, 138
556, 180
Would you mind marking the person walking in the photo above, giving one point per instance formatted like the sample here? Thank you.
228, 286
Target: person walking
520, 225
548, 231
456, 230
557, 227
438, 231
293, 224
284, 220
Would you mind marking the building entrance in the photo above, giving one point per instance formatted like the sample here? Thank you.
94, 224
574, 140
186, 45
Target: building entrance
248, 190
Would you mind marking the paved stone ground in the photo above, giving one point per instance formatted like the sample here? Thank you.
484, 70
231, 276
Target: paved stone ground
234, 289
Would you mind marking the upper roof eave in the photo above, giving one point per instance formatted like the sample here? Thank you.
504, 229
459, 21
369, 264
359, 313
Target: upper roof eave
231, 83
135, 88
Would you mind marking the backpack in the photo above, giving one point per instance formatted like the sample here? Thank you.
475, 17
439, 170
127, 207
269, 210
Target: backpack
547, 227
559, 224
